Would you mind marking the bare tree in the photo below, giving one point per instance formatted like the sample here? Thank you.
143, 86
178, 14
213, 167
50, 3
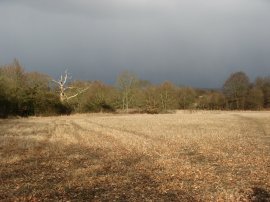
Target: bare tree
167, 96
62, 85
127, 83
235, 89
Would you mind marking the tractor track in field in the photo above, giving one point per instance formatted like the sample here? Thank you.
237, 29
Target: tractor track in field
260, 126
123, 139
178, 157
141, 135
88, 132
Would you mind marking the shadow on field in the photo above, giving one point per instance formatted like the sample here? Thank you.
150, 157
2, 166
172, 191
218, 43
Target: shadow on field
45, 171
260, 195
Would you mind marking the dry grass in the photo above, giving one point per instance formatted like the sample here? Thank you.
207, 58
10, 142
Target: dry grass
200, 156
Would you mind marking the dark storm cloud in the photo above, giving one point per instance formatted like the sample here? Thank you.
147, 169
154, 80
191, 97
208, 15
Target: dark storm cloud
190, 42
94, 8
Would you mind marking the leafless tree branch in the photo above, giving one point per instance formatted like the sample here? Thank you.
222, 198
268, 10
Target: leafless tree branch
62, 88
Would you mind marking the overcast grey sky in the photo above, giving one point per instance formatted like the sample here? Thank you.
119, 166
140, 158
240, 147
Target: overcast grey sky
190, 42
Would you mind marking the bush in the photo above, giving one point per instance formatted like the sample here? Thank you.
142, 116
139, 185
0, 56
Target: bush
98, 107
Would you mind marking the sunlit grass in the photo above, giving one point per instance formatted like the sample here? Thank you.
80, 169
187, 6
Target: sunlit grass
209, 156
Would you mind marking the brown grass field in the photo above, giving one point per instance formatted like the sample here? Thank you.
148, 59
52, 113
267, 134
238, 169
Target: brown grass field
198, 156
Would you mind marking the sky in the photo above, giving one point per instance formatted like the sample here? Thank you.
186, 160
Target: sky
195, 43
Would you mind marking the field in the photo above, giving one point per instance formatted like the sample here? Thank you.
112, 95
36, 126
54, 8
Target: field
186, 156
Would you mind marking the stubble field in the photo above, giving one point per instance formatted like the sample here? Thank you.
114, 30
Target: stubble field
198, 156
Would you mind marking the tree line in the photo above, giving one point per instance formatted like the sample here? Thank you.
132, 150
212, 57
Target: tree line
35, 94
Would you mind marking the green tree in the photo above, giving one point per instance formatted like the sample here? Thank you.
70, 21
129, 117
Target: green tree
98, 98
5, 104
13, 76
27, 93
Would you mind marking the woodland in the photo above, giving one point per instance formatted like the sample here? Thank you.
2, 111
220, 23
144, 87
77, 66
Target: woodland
25, 94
